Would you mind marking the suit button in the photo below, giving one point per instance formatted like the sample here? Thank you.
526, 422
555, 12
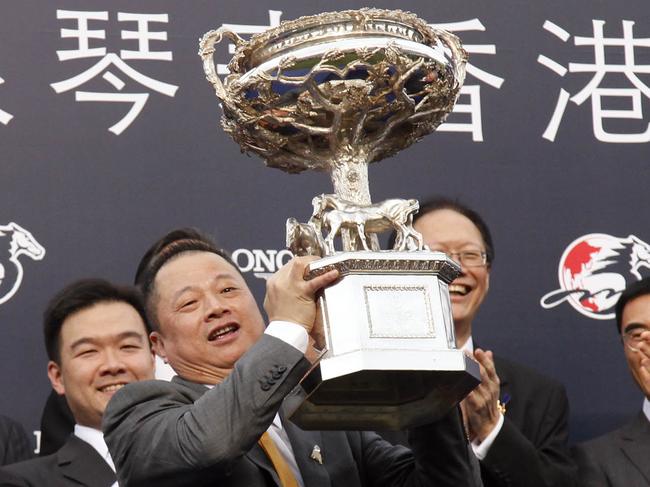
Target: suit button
282, 369
266, 387
276, 375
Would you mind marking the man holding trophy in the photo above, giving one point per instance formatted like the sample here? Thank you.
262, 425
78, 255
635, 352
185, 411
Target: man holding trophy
212, 424
255, 407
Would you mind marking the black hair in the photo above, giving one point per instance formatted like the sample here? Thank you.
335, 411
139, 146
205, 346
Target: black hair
633, 291
81, 295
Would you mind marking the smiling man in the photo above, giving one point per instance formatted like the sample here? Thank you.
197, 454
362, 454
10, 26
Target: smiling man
621, 458
96, 336
220, 421
517, 418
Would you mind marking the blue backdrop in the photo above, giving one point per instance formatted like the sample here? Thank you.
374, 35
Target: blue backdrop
110, 137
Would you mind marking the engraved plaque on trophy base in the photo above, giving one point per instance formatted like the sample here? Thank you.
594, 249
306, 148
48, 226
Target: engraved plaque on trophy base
391, 362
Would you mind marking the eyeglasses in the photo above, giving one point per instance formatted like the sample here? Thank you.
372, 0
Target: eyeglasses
468, 258
632, 336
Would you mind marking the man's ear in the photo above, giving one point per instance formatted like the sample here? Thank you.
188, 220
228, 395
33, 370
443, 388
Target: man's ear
158, 345
56, 379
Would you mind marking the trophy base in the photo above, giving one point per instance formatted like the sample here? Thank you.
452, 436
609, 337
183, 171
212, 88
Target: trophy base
373, 397
391, 360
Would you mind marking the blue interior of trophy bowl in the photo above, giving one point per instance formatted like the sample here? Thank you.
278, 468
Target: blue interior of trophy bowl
291, 83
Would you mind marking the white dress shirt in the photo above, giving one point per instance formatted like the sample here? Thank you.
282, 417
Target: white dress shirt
646, 408
291, 333
95, 438
481, 448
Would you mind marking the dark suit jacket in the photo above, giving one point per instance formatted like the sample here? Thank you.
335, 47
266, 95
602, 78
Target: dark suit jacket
75, 464
57, 424
8, 480
180, 433
14, 443
618, 459
531, 448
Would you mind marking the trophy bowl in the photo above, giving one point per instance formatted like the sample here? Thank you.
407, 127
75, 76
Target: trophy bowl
321, 90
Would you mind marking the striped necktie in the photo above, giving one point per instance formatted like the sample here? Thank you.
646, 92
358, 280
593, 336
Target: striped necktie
287, 479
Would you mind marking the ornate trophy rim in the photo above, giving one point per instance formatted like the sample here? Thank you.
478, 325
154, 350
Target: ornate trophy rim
302, 31
337, 91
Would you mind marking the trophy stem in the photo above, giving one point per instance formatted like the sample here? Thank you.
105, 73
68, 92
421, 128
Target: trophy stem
350, 180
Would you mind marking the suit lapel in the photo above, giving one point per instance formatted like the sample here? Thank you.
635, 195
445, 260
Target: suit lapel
636, 444
79, 461
259, 458
303, 443
255, 454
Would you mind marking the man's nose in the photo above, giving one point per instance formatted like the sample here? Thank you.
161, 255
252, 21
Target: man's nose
216, 306
113, 362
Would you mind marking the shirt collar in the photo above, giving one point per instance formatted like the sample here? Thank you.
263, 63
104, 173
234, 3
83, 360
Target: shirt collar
646, 408
94, 438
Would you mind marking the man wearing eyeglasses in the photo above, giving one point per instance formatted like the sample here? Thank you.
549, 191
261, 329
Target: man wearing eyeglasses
517, 418
621, 458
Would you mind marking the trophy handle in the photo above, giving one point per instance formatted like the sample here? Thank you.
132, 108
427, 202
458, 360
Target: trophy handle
206, 50
457, 49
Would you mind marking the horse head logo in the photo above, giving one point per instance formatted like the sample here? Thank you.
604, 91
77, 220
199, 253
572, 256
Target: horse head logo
595, 269
14, 242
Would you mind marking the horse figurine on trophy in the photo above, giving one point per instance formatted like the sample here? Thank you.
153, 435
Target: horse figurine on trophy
361, 222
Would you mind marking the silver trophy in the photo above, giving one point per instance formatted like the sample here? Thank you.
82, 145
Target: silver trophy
334, 92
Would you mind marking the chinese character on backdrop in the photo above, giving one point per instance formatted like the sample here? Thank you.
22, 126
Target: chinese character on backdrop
138, 35
614, 61
469, 101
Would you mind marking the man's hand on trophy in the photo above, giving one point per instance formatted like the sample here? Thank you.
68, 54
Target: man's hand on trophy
289, 297
481, 406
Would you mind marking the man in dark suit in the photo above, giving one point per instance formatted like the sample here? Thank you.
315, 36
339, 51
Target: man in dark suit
57, 423
621, 458
14, 443
96, 336
517, 418
220, 422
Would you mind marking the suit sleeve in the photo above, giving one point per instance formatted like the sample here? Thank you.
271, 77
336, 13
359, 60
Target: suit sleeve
159, 432
515, 461
14, 445
439, 457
